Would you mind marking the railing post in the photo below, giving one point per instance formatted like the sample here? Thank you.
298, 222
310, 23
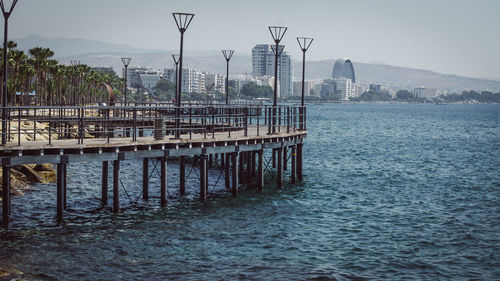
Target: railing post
19, 127
246, 121
288, 119
134, 133
50, 121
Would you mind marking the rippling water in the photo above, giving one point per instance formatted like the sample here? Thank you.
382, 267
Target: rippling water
390, 192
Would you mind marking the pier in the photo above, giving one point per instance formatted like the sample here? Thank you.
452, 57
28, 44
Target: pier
233, 136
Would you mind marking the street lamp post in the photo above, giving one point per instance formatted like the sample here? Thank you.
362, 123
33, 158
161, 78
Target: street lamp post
126, 62
75, 64
6, 11
304, 44
176, 61
182, 20
227, 55
277, 32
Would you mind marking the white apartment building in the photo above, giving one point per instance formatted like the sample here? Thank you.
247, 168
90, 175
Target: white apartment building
215, 82
346, 88
263, 60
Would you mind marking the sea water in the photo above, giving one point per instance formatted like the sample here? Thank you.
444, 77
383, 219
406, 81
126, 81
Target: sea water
390, 191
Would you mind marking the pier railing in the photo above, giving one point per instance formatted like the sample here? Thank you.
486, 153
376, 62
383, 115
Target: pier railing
104, 124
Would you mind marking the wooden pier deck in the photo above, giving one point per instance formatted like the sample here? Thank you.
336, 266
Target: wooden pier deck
240, 150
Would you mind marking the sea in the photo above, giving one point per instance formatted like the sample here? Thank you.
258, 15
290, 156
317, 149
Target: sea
390, 192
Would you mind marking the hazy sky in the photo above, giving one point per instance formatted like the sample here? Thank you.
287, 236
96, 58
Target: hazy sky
448, 36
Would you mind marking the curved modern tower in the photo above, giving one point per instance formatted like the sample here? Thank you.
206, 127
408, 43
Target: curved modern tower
343, 68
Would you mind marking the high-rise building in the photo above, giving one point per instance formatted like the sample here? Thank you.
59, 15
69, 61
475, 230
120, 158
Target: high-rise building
343, 68
263, 60
345, 79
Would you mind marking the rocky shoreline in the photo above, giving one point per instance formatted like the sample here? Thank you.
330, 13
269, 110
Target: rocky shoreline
23, 176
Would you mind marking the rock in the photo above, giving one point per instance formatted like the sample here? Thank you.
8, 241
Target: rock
43, 167
48, 176
29, 172
8, 271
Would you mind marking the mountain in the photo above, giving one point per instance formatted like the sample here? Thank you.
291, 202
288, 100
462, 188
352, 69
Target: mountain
64, 47
396, 77
96, 53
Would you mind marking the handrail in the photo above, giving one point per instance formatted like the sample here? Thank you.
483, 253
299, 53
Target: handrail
51, 124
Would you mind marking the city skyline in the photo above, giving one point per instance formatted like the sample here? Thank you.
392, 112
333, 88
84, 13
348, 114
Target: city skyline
455, 37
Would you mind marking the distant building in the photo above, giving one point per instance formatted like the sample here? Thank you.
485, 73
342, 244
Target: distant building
105, 69
343, 68
345, 79
297, 88
215, 82
235, 84
196, 81
346, 88
421, 92
142, 77
149, 80
263, 61
375, 88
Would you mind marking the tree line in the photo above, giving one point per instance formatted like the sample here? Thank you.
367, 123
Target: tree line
51, 82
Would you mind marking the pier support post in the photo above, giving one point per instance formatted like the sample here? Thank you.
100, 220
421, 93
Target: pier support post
294, 164
6, 194
274, 158
60, 191
260, 174
241, 172
182, 175
203, 177
104, 190
280, 168
299, 161
163, 181
254, 153
116, 186
145, 179
285, 152
227, 157
210, 161
249, 166
222, 159
65, 184
235, 169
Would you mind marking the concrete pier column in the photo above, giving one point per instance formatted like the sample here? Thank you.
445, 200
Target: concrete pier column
299, 161
104, 189
280, 168
163, 181
182, 175
235, 167
203, 177
60, 191
145, 179
116, 186
294, 164
227, 158
260, 173
6, 194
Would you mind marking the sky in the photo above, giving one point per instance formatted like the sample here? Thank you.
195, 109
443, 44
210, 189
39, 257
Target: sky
459, 37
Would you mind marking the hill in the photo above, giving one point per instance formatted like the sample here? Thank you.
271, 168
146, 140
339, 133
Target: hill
96, 53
